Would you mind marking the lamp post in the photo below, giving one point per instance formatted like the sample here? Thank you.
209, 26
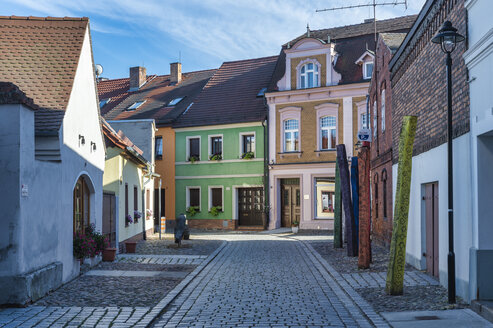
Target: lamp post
448, 38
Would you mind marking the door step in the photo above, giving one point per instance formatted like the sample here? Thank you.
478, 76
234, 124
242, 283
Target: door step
250, 228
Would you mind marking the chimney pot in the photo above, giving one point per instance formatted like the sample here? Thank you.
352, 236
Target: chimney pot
138, 76
175, 72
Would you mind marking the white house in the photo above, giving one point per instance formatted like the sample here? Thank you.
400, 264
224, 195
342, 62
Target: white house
52, 152
479, 62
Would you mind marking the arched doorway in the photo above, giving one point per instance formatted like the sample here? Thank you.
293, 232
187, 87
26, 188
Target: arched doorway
82, 206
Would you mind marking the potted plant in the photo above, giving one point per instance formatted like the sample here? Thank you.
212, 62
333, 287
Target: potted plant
216, 157
192, 210
128, 220
193, 159
130, 246
148, 214
80, 247
248, 155
137, 216
215, 210
109, 254
295, 226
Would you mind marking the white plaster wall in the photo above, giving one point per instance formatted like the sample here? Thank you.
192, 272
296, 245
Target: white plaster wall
347, 119
428, 167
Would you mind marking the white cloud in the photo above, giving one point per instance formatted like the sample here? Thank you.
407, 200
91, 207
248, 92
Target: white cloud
226, 29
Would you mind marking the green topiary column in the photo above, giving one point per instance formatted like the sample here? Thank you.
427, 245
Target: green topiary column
337, 211
395, 273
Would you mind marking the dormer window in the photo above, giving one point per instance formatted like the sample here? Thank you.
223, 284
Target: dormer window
103, 102
136, 105
367, 70
309, 76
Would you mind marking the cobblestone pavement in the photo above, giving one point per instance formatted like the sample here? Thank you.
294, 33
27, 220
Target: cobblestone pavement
197, 245
161, 259
268, 281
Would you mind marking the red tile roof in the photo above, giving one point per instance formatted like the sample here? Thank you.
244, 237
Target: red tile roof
231, 94
40, 55
157, 93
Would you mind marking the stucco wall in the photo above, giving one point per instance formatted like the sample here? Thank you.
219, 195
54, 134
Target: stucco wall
166, 168
428, 167
140, 132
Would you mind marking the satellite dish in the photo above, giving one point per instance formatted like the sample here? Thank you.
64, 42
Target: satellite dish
99, 70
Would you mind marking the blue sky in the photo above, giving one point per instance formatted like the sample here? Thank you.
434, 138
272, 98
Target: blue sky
154, 33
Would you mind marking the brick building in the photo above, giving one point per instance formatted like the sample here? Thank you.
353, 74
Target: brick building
419, 87
381, 151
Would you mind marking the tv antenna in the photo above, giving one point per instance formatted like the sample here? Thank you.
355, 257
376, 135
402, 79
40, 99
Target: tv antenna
374, 5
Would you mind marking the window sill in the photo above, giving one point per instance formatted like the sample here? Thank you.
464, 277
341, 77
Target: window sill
290, 153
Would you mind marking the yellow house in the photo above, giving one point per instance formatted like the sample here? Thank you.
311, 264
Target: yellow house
125, 210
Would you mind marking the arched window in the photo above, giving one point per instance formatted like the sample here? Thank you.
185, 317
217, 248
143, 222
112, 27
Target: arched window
81, 206
328, 132
375, 125
382, 110
384, 190
309, 76
375, 188
291, 135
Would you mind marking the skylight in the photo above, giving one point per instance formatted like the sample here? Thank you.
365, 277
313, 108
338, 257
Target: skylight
136, 105
103, 102
175, 101
261, 93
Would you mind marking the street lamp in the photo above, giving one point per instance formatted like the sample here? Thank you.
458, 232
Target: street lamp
448, 38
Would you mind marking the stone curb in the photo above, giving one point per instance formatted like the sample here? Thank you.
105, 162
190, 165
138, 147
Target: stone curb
158, 308
376, 319
161, 256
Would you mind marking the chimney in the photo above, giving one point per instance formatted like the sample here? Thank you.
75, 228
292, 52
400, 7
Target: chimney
137, 77
175, 72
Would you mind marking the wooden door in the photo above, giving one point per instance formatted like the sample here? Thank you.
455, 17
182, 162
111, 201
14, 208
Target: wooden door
431, 213
290, 204
109, 217
250, 207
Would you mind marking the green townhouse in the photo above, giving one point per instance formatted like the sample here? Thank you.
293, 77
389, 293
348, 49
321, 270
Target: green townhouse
220, 162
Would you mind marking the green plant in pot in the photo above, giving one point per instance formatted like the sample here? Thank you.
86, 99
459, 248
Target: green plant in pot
216, 157
248, 155
295, 226
193, 159
215, 210
192, 210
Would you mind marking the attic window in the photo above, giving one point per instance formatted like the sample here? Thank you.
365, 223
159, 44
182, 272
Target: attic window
136, 105
175, 101
103, 102
261, 93
367, 70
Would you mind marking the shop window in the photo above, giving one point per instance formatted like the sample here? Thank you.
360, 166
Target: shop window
324, 197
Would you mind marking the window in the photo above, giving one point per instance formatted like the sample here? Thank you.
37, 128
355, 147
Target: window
193, 149
309, 76
363, 120
324, 197
136, 202
175, 101
291, 135
261, 93
194, 197
327, 132
375, 125
136, 105
126, 204
384, 190
382, 110
216, 197
248, 143
103, 102
367, 70
159, 147
216, 145
81, 219
375, 183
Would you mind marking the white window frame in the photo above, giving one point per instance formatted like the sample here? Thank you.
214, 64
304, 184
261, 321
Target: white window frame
328, 129
382, 110
288, 113
375, 121
361, 106
210, 197
327, 109
318, 74
188, 196
292, 132
209, 144
242, 151
365, 70
188, 147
